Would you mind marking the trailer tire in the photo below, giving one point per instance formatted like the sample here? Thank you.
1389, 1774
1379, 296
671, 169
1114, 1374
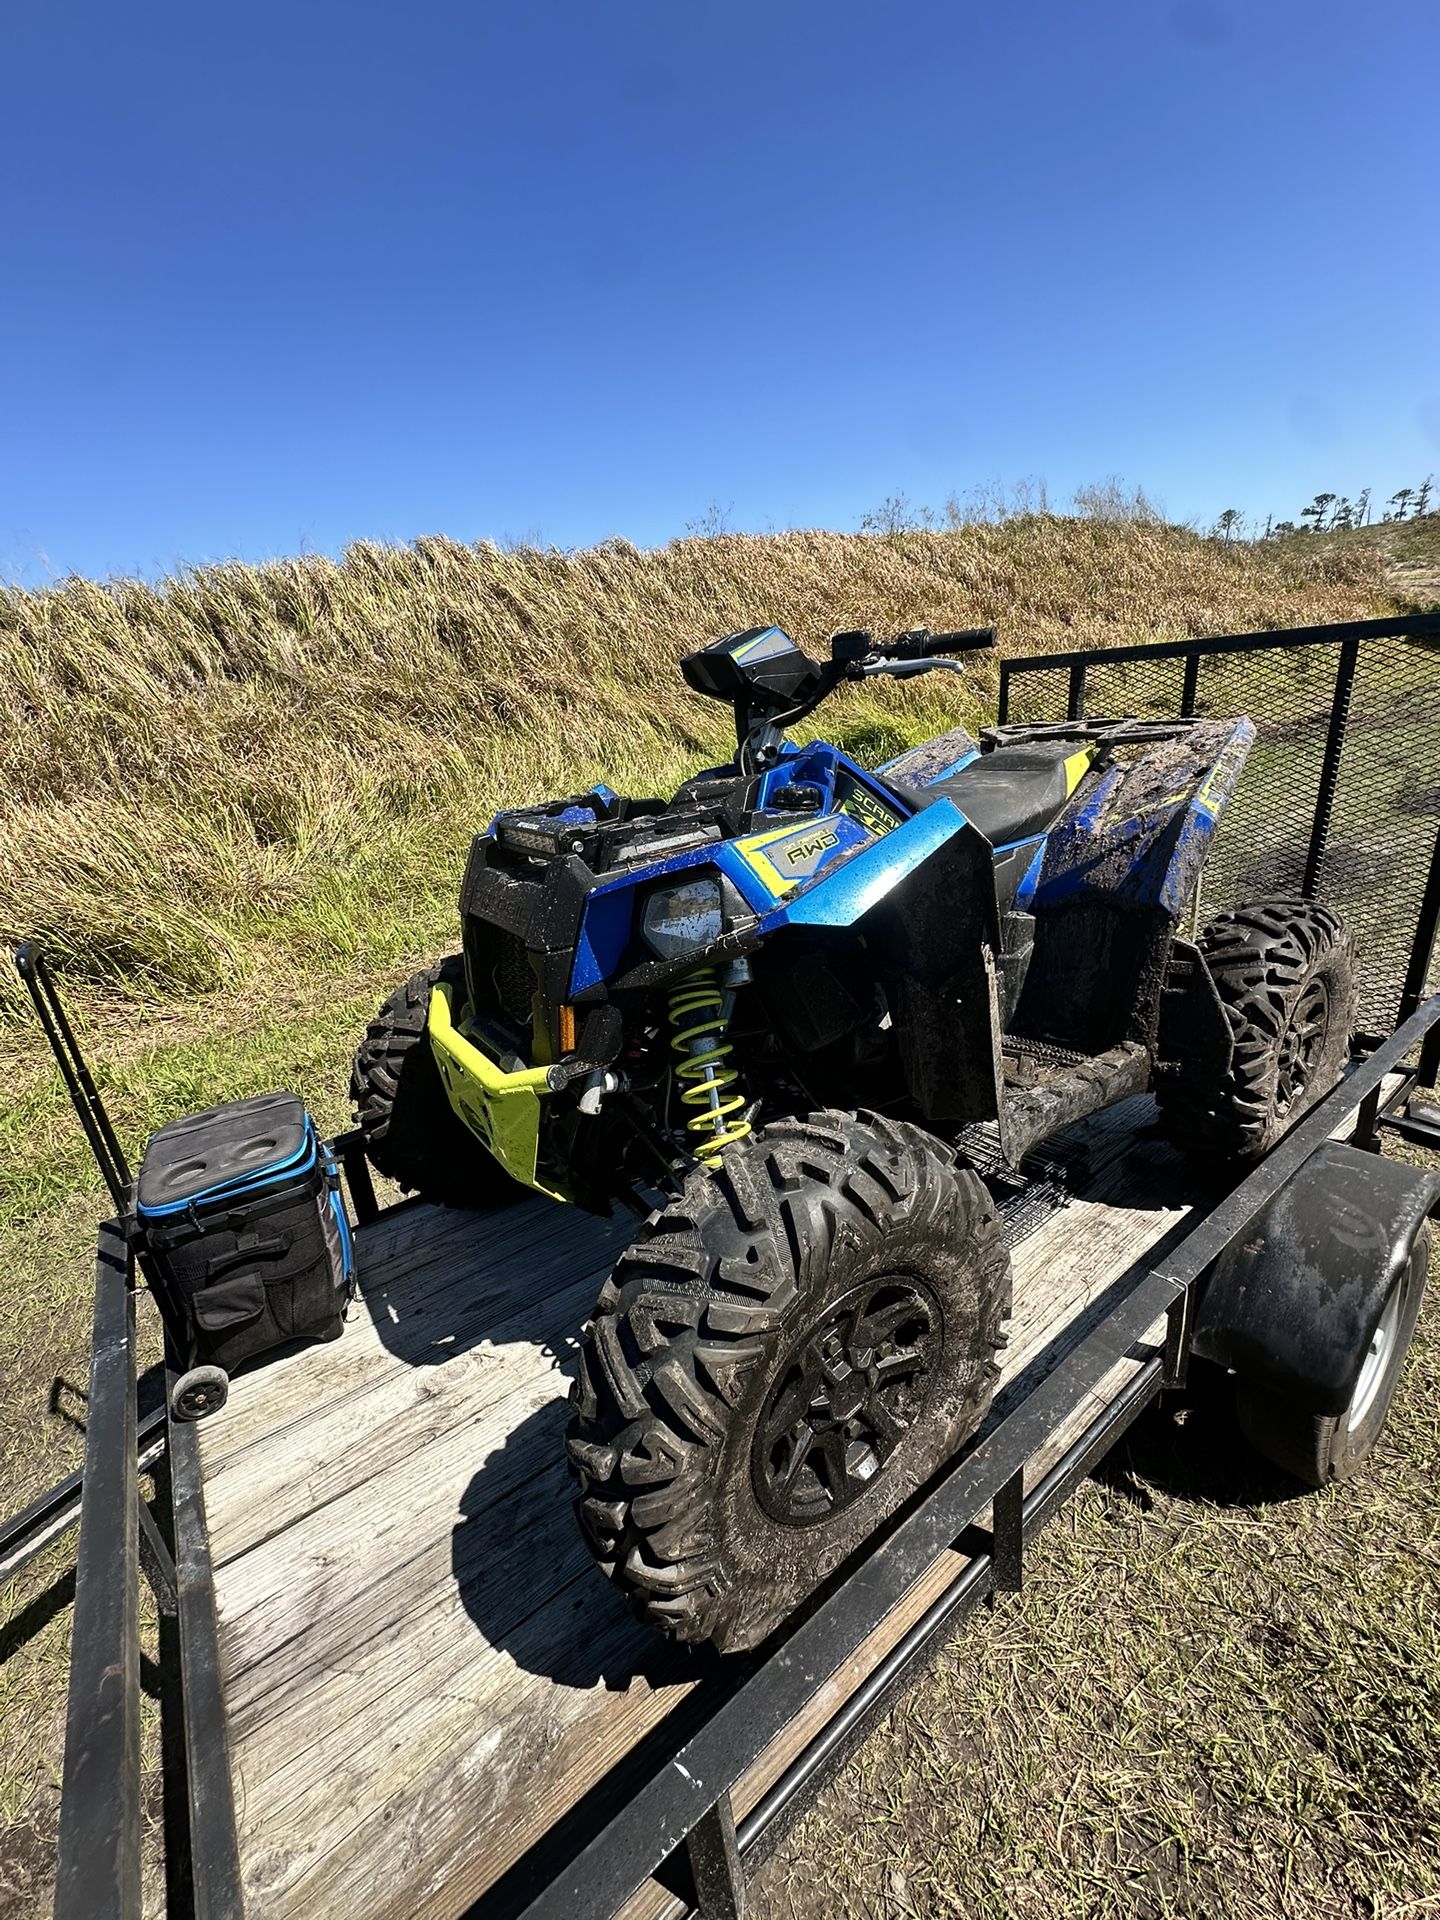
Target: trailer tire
1321, 1448
1284, 973
412, 1134
792, 1345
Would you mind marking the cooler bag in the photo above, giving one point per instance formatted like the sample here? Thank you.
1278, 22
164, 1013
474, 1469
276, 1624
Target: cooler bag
239, 1217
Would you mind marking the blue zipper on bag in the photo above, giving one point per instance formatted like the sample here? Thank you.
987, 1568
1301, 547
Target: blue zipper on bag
342, 1220
307, 1158
304, 1160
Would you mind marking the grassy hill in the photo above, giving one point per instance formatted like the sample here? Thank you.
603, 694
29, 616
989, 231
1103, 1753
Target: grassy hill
236, 804
247, 773
1408, 553
235, 807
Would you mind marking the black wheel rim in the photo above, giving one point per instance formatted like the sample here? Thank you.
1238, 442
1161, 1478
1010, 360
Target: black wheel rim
1301, 1044
847, 1394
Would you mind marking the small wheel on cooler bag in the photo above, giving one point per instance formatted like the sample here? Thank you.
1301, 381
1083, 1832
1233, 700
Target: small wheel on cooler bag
199, 1393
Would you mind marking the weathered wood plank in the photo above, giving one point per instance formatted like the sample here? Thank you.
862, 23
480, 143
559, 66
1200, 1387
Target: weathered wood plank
462, 1266
325, 1553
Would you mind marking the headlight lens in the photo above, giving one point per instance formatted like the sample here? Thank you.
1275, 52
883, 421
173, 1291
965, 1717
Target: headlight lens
678, 920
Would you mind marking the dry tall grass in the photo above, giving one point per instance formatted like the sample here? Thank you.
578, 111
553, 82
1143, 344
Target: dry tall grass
278, 766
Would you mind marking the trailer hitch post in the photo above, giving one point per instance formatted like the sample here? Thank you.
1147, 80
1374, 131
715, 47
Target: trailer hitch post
715, 1864
1007, 1536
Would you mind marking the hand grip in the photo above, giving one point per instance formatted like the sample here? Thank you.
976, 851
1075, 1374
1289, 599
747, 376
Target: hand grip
920, 644
963, 640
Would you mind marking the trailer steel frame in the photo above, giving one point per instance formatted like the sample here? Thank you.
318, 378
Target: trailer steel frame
679, 1828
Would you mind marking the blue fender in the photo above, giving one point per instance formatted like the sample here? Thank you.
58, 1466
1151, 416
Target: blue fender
1140, 837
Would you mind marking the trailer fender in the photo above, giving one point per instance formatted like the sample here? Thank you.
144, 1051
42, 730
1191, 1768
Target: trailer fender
1294, 1301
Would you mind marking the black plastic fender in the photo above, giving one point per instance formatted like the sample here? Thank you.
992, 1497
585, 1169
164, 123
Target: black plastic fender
1296, 1299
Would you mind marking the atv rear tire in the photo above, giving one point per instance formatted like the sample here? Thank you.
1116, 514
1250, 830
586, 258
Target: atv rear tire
411, 1132
790, 1348
1284, 973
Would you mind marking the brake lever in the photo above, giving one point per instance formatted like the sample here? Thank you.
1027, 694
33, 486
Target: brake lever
901, 669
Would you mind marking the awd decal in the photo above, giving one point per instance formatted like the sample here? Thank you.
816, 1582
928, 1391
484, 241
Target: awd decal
784, 857
802, 855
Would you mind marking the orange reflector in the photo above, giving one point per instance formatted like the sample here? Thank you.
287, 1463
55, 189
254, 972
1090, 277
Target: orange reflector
567, 1029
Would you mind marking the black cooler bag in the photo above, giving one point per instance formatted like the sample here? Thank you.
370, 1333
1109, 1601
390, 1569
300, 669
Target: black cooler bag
239, 1217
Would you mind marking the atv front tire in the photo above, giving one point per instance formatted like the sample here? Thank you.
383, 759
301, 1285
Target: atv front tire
412, 1134
790, 1348
1284, 971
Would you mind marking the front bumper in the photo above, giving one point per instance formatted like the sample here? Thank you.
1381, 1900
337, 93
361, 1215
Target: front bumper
501, 1109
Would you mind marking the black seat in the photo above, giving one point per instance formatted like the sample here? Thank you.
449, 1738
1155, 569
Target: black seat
1011, 794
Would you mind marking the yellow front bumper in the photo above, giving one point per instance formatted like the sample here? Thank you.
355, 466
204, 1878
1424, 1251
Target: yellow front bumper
501, 1109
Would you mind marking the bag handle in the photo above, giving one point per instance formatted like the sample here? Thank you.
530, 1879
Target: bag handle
84, 1094
249, 1249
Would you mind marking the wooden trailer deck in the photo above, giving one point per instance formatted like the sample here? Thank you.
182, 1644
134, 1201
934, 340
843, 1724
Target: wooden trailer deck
423, 1671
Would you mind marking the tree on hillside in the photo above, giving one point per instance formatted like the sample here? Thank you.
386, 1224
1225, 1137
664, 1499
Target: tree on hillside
1316, 511
1285, 527
1422, 497
1362, 507
1344, 514
1226, 525
1400, 501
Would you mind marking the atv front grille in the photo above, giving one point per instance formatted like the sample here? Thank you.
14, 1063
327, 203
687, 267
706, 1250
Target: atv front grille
513, 979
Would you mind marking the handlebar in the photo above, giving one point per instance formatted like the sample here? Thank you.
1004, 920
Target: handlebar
855, 656
920, 644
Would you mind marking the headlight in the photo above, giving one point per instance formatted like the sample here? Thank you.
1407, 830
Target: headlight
681, 919
522, 835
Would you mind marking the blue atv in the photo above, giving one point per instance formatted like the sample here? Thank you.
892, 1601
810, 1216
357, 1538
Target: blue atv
802, 1017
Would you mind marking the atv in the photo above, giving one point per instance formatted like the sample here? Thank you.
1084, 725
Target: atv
803, 1017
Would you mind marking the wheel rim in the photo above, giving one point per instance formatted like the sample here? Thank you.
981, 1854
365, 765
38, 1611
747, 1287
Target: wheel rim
847, 1394
1376, 1364
1301, 1044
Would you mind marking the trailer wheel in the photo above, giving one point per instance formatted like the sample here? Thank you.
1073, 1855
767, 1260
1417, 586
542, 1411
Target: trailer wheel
789, 1349
1284, 974
411, 1132
1319, 1448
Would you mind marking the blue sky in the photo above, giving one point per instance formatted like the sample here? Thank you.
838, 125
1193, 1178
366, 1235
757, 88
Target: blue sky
283, 277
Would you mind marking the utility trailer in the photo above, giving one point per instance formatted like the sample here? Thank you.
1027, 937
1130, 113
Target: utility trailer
392, 1683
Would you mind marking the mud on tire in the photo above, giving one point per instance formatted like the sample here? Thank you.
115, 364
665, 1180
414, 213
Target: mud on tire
411, 1132
1284, 973
744, 1306
1320, 1448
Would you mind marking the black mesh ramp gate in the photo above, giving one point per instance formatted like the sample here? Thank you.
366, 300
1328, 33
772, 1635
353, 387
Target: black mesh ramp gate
1340, 800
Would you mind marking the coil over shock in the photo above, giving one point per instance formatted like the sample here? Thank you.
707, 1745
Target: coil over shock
708, 1082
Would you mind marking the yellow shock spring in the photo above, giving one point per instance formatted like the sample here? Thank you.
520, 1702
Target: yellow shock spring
697, 1015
